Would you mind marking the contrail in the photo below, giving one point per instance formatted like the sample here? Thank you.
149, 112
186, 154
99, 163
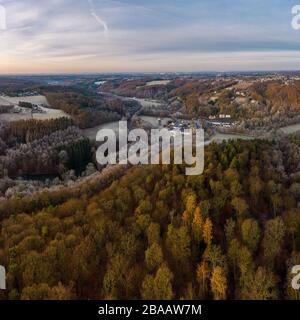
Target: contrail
97, 18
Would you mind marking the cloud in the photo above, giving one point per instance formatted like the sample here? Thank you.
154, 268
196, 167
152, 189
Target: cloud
97, 18
146, 35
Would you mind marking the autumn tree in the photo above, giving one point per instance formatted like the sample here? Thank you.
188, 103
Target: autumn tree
202, 276
273, 239
208, 231
178, 244
190, 206
261, 285
219, 284
158, 287
255, 187
241, 207
251, 234
197, 225
153, 256
153, 233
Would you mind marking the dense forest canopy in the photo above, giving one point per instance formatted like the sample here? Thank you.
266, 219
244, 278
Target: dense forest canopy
231, 233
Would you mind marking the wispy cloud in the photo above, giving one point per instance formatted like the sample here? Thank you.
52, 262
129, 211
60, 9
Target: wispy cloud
97, 18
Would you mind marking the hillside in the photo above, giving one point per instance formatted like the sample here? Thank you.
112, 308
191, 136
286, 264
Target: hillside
154, 233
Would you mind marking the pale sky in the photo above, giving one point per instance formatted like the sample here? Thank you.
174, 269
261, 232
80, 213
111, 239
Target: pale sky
65, 36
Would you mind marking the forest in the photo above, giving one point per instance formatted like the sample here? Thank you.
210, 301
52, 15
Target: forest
150, 232
87, 109
53, 149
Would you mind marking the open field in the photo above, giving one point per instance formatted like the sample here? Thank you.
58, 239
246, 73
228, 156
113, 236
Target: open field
147, 103
32, 99
49, 114
158, 83
4, 102
39, 100
91, 133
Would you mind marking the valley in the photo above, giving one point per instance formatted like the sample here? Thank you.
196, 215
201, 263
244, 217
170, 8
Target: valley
144, 228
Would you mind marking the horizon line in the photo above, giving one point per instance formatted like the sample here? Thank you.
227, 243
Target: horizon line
144, 72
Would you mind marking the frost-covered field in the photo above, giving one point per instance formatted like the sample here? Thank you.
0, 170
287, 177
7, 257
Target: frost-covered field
91, 133
4, 102
32, 99
147, 103
158, 83
49, 114
39, 100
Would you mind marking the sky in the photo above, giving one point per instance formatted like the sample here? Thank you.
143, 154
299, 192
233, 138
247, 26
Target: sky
83, 36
